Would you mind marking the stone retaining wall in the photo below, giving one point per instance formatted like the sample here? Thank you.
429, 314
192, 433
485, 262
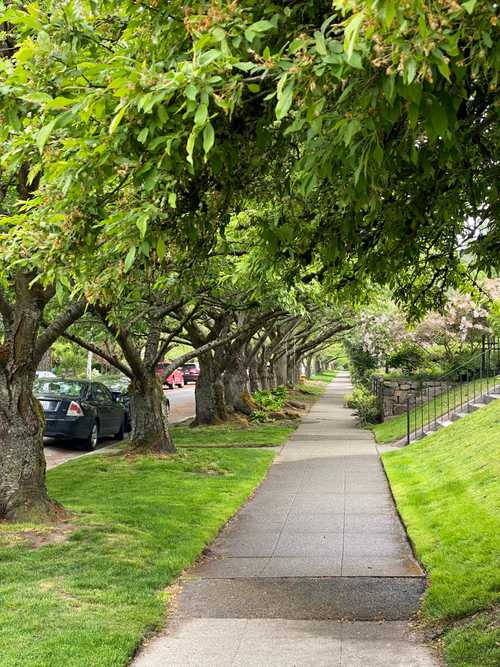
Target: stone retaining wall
393, 394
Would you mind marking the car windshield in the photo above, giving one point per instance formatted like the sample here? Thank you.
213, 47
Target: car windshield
57, 387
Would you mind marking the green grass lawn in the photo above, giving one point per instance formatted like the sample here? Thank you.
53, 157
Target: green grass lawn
447, 491
394, 428
325, 376
139, 523
232, 435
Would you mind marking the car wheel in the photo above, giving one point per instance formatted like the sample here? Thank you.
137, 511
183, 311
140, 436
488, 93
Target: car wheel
93, 439
121, 433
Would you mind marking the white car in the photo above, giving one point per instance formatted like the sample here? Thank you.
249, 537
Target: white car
45, 374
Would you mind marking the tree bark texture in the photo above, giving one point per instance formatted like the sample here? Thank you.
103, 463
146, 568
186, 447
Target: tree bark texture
254, 377
281, 370
236, 384
23, 495
148, 409
209, 393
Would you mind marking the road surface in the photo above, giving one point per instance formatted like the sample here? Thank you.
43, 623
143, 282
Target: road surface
181, 407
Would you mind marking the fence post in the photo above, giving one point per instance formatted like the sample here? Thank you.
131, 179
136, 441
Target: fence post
408, 428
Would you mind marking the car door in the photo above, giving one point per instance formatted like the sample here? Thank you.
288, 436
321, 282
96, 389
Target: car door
102, 403
115, 410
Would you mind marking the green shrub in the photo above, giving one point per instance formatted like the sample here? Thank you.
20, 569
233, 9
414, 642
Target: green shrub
365, 404
272, 401
408, 357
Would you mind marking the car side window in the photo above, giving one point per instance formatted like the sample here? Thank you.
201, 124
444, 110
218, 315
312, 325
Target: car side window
99, 394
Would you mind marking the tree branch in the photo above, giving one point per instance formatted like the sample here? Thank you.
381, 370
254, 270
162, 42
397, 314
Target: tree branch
54, 330
110, 358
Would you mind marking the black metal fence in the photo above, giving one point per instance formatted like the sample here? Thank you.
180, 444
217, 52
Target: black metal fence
456, 392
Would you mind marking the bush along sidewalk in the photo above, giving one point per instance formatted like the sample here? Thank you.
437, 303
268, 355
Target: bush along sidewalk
446, 489
285, 403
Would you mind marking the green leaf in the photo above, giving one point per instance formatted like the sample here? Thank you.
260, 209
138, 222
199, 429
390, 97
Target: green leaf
285, 98
351, 129
389, 88
244, 67
201, 115
129, 259
190, 144
411, 70
390, 12
142, 225
438, 118
116, 120
351, 32
208, 138
43, 135
60, 102
320, 44
253, 87
209, 56
143, 135
160, 248
469, 6
172, 199
261, 26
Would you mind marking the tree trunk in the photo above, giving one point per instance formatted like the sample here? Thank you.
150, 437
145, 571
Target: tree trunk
254, 377
263, 374
148, 409
290, 371
317, 365
235, 385
272, 382
23, 495
309, 367
209, 393
281, 370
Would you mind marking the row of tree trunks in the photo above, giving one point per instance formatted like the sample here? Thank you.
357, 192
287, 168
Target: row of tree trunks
227, 381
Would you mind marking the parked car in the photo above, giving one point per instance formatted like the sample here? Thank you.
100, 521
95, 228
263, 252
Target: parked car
79, 409
176, 378
119, 390
190, 372
45, 374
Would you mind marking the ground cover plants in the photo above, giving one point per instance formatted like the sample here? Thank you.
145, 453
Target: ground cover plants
446, 489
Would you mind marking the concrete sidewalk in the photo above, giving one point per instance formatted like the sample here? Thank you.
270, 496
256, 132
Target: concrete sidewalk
314, 570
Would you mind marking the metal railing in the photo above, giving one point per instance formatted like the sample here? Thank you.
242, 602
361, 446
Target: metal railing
455, 392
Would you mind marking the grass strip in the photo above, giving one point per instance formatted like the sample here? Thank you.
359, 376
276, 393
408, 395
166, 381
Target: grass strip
139, 523
232, 435
446, 489
324, 376
394, 428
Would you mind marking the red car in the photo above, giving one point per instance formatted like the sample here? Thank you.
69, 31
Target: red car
176, 378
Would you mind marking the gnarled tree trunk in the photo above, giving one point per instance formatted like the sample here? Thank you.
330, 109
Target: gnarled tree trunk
23, 495
209, 393
148, 409
236, 385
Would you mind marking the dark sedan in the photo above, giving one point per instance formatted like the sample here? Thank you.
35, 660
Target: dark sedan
79, 409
